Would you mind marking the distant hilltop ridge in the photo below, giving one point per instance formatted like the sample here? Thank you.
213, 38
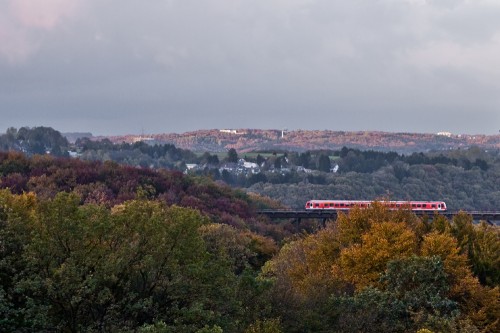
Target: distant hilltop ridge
73, 136
246, 140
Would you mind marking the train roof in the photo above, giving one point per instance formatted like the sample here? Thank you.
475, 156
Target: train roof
363, 201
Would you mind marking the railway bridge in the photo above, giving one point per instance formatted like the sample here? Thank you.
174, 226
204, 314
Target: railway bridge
491, 217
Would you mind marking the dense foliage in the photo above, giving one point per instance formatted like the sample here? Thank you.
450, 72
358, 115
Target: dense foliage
91, 246
109, 183
136, 154
245, 140
468, 179
68, 267
99, 247
381, 271
37, 140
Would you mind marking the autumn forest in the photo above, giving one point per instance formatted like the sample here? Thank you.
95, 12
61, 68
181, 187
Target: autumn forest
93, 246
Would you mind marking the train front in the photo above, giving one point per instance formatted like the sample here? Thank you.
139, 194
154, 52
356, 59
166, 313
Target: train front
309, 204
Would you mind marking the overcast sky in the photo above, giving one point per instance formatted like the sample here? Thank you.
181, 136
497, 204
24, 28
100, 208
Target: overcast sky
153, 66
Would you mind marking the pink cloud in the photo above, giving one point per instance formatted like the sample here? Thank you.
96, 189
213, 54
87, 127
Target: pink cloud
42, 14
22, 20
15, 46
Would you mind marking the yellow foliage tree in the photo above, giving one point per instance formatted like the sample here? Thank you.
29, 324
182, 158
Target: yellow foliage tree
304, 266
361, 264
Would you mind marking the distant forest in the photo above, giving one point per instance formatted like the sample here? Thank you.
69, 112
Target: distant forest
248, 140
467, 179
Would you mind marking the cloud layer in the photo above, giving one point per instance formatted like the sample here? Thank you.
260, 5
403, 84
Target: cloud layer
115, 66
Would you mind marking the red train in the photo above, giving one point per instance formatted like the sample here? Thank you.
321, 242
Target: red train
429, 206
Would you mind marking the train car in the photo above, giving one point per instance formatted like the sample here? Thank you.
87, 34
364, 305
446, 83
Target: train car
429, 206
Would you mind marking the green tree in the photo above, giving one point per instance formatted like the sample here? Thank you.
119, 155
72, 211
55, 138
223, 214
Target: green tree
277, 163
17, 215
265, 326
89, 268
481, 245
305, 159
232, 156
412, 294
324, 163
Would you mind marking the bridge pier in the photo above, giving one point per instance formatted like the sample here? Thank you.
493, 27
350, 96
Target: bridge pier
296, 223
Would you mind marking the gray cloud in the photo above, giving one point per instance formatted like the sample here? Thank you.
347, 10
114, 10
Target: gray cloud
176, 65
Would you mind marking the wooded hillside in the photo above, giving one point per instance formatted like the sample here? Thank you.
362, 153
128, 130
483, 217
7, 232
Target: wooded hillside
90, 246
245, 140
145, 266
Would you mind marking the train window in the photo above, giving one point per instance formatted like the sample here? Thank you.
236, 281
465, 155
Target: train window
433, 205
316, 205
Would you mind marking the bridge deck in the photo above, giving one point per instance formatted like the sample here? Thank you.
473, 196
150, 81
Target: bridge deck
331, 213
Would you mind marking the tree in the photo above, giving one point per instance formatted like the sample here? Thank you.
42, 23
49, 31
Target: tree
260, 160
479, 304
344, 151
265, 326
256, 178
412, 294
481, 245
277, 163
324, 163
421, 284
304, 280
91, 268
232, 156
213, 160
305, 159
362, 264
17, 215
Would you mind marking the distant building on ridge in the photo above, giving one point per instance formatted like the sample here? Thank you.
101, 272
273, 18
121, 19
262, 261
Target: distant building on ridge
447, 134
